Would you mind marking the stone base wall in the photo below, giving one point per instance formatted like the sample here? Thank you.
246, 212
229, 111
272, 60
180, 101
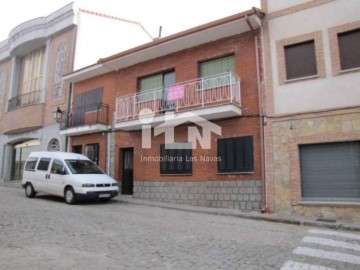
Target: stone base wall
284, 181
243, 195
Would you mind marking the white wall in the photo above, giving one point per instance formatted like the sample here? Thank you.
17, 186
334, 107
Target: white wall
314, 94
274, 5
99, 37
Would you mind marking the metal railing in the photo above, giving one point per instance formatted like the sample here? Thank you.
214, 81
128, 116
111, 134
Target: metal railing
97, 113
25, 99
203, 92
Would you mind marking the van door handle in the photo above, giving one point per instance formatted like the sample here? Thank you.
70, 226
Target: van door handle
47, 176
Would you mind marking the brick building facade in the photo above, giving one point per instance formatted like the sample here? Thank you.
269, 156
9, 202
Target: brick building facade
216, 67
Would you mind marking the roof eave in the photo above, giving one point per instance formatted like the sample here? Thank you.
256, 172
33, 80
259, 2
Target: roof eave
226, 27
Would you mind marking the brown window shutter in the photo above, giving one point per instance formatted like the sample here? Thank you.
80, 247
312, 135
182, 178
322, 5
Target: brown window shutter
349, 48
300, 60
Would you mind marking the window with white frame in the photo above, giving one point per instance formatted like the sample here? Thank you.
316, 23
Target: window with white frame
59, 71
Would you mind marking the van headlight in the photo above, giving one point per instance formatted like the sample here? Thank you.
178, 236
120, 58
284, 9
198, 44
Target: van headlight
88, 185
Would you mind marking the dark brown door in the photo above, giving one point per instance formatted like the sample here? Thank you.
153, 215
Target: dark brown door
127, 171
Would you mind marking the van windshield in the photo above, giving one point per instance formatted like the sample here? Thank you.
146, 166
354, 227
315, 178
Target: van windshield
78, 166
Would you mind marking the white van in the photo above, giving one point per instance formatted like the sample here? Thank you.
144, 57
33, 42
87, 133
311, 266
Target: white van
69, 175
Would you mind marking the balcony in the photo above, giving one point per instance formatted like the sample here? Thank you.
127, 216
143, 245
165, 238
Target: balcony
85, 119
215, 97
30, 98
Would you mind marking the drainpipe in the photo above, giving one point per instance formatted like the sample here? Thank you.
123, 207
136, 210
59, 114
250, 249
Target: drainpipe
67, 138
262, 120
108, 149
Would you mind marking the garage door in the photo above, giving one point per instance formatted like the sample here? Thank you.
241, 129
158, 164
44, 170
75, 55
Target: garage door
330, 172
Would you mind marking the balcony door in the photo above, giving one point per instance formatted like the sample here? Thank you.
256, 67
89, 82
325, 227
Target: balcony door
84, 103
154, 88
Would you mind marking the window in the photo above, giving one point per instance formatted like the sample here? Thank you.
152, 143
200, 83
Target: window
158, 83
77, 149
300, 60
92, 152
54, 145
86, 102
301, 57
235, 155
349, 49
30, 81
177, 160
31, 164
44, 164
57, 167
2, 90
59, 71
31, 72
80, 166
330, 171
217, 66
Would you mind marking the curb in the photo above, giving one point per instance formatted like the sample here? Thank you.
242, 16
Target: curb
251, 215
229, 212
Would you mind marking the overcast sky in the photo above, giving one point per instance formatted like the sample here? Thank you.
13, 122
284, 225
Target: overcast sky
173, 16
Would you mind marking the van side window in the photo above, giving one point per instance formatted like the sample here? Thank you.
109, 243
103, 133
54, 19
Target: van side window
31, 164
43, 164
57, 166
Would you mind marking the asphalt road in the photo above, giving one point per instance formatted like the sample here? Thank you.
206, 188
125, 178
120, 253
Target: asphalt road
46, 233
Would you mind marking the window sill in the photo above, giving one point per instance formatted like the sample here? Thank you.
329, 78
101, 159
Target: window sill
302, 79
179, 174
326, 203
346, 71
225, 173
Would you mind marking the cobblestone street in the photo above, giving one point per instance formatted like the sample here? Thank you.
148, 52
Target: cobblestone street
46, 233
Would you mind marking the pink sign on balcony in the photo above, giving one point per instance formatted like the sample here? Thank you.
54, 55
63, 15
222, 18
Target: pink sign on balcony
176, 92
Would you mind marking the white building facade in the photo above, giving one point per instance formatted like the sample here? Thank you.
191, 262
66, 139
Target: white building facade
312, 105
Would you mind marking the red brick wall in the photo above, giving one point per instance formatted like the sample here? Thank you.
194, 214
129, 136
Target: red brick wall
105, 81
185, 63
99, 138
201, 170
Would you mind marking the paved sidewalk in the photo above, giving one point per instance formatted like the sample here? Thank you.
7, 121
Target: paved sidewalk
281, 218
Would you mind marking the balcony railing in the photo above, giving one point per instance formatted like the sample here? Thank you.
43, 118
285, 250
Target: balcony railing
204, 92
25, 99
97, 113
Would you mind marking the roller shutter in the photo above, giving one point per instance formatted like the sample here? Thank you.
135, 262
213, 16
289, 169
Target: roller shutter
330, 172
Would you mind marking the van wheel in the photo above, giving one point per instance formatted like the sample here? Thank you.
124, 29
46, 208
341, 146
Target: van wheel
29, 191
69, 195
